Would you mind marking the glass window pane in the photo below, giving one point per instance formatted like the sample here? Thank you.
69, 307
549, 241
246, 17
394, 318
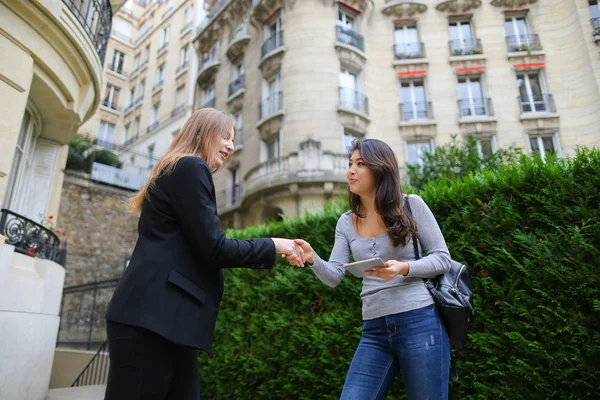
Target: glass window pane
454, 28
412, 35
466, 31
508, 24
533, 141
548, 145
522, 28
486, 147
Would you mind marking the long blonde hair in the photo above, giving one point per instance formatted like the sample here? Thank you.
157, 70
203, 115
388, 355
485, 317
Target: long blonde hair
198, 137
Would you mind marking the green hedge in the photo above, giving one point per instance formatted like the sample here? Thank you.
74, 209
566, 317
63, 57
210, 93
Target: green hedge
531, 236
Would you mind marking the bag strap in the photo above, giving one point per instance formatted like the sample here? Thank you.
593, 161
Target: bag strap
414, 237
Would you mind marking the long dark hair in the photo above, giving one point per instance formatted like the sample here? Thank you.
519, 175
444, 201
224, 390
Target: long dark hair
389, 199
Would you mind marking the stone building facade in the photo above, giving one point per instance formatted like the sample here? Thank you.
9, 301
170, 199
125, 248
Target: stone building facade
303, 78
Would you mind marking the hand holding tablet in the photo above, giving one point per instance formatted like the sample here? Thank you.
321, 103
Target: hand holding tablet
359, 267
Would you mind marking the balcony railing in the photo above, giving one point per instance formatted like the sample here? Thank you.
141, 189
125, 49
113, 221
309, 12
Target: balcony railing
523, 43
350, 98
116, 68
121, 36
117, 177
139, 100
239, 31
162, 48
417, 110
158, 86
177, 111
596, 26
404, 51
31, 238
134, 72
236, 85
95, 17
209, 103
128, 108
350, 37
153, 126
229, 198
109, 104
475, 107
543, 103
270, 105
465, 47
181, 68
272, 43
186, 27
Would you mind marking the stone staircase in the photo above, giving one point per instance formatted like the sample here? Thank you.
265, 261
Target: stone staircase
95, 392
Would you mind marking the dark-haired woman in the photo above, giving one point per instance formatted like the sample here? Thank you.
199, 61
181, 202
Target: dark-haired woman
402, 331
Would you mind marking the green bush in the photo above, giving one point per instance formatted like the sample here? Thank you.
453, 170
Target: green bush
457, 159
106, 157
530, 233
82, 154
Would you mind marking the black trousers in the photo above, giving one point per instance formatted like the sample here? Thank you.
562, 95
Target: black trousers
146, 366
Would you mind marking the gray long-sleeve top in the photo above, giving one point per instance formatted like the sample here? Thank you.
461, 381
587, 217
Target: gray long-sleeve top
402, 293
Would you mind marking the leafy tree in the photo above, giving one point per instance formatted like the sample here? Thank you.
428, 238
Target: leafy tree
458, 159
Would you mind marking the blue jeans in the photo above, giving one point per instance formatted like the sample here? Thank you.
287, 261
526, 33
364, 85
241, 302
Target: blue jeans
414, 342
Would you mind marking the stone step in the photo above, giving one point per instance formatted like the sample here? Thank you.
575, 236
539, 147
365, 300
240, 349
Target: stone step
95, 392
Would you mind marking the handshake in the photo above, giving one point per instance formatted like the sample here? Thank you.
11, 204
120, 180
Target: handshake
296, 251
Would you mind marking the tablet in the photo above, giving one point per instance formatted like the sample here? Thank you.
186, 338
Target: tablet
357, 268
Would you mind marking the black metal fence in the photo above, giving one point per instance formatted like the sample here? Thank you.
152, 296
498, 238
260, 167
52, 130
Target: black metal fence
96, 371
416, 110
95, 17
82, 322
270, 105
465, 47
524, 43
272, 43
354, 99
350, 37
403, 51
237, 84
31, 238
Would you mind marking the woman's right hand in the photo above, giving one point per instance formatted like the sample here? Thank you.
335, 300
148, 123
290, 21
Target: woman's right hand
290, 250
309, 253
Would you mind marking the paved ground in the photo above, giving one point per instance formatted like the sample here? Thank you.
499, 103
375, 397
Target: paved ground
77, 393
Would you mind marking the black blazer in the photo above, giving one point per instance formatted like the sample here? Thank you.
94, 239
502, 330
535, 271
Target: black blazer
173, 284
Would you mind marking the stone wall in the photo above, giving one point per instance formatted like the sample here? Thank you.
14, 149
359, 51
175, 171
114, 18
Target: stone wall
100, 231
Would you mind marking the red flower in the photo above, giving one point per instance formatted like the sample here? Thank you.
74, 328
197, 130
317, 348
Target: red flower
57, 231
64, 234
50, 217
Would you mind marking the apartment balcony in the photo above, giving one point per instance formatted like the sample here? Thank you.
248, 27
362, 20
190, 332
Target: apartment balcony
350, 38
121, 36
229, 199
208, 70
162, 49
409, 51
210, 103
129, 108
159, 85
111, 106
181, 69
416, 113
153, 126
354, 101
133, 73
270, 107
465, 47
310, 164
523, 43
536, 105
117, 69
186, 28
238, 40
403, 8
476, 110
459, 6
139, 100
144, 65
237, 88
97, 28
596, 28
177, 111
30, 238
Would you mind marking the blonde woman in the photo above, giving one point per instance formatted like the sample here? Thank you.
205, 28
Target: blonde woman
166, 304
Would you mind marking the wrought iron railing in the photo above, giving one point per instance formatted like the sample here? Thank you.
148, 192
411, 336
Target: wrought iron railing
353, 99
596, 26
475, 107
96, 371
116, 68
31, 238
465, 47
240, 30
158, 85
109, 104
95, 17
210, 103
186, 27
153, 126
403, 51
272, 43
270, 105
523, 43
350, 37
236, 85
416, 110
181, 68
162, 48
209, 61
129, 108
82, 322
536, 103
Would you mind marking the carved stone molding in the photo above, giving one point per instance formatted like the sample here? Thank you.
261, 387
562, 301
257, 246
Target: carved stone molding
403, 8
457, 6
